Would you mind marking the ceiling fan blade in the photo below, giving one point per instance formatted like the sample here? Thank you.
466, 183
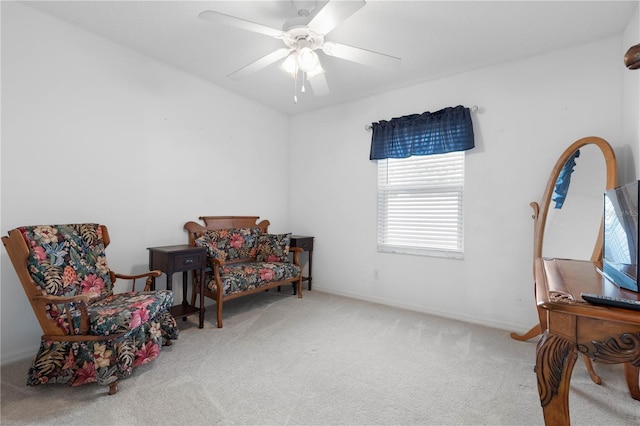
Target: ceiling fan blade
332, 14
261, 63
233, 21
361, 56
319, 85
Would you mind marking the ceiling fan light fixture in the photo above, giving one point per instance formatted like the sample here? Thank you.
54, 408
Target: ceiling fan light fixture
316, 71
307, 59
290, 65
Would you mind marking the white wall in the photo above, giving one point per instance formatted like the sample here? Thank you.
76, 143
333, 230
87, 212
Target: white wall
530, 111
629, 165
130, 134
92, 131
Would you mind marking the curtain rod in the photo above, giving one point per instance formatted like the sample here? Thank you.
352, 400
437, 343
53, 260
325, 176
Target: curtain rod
472, 108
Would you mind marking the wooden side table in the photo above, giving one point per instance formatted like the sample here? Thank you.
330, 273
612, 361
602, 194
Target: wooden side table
181, 258
305, 243
571, 326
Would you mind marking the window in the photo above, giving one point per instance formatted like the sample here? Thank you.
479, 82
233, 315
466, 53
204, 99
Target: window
420, 205
421, 181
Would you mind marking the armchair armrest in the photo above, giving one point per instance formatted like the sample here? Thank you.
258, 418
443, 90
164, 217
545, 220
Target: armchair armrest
58, 300
148, 283
80, 300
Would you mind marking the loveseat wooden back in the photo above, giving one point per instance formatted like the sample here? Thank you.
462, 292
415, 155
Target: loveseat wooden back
224, 222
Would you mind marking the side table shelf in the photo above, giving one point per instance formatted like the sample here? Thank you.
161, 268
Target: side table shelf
180, 258
305, 243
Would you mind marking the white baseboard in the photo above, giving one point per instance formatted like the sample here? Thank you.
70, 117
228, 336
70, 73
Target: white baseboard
521, 329
17, 356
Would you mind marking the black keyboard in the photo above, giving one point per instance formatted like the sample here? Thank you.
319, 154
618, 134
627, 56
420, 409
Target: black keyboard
616, 302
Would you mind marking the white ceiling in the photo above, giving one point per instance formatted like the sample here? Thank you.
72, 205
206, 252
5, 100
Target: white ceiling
433, 38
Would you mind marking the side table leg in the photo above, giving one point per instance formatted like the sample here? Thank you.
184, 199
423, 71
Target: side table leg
184, 289
201, 313
555, 358
310, 264
184, 293
631, 373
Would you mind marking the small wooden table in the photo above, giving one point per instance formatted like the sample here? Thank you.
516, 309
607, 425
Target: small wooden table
181, 258
306, 244
608, 335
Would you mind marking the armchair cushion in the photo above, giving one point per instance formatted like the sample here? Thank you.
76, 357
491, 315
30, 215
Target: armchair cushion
66, 260
230, 244
122, 312
273, 248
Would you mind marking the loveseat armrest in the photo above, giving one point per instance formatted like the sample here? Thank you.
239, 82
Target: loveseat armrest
296, 251
218, 262
148, 283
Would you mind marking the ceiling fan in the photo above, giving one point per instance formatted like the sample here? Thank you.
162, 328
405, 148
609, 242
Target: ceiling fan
302, 37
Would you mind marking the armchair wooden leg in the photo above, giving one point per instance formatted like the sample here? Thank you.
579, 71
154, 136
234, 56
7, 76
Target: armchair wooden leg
113, 388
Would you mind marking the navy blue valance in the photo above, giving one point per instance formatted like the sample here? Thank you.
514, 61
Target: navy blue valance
447, 130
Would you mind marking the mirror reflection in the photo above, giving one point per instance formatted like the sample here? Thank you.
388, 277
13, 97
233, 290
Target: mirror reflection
572, 226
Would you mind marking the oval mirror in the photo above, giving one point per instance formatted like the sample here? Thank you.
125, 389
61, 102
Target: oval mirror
568, 221
574, 230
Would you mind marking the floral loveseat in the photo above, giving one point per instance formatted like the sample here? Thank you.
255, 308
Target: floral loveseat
243, 258
90, 334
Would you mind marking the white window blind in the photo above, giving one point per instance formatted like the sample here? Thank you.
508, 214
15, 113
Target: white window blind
420, 205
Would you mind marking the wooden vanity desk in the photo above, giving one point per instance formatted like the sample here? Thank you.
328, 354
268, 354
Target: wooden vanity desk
608, 335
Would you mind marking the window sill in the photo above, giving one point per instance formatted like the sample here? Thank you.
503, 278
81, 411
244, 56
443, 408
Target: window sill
447, 254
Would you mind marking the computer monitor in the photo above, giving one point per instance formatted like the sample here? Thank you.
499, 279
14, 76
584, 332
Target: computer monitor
620, 245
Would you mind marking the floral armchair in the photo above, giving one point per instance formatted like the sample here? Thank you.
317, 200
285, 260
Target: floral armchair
90, 334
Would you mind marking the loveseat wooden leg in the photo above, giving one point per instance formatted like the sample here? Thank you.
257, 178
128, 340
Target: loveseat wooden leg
113, 388
219, 313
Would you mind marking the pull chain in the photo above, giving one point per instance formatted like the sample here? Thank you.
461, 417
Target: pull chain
295, 86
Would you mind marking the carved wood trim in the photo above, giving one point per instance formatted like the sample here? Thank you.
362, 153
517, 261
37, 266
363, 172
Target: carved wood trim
552, 355
623, 349
561, 297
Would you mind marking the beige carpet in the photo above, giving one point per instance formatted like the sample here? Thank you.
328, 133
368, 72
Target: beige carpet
324, 359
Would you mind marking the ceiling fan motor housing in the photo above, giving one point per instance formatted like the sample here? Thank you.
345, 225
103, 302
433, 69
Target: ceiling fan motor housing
301, 36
